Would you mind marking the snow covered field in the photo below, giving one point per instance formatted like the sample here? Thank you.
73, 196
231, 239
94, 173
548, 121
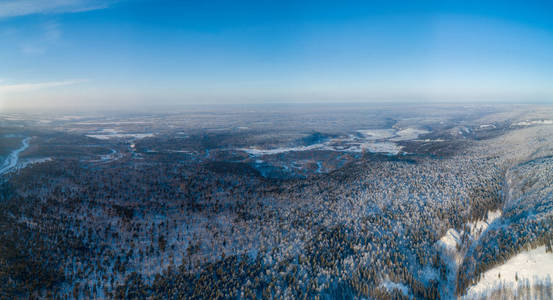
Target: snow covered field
375, 141
533, 267
535, 122
408, 134
120, 135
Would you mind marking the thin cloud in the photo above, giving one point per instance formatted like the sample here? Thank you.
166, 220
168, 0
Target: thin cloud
26, 87
32, 49
15, 8
51, 34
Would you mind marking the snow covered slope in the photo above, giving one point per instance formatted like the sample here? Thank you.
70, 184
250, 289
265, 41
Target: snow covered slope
529, 268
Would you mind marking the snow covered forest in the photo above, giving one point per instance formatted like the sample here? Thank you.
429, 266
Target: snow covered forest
462, 208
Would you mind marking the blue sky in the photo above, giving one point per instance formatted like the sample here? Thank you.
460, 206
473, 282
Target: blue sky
103, 53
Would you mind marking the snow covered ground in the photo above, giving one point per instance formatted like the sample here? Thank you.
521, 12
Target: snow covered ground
259, 152
450, 245
377, 134
533, 267
383, 147
113, 123
26, 162
452, 238
483, 126
375, 147
120, 135
375, 140
534, 122
408, 134
479, 227
391, 286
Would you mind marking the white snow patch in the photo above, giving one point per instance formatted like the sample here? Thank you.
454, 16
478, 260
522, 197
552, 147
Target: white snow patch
375, 140
390, 286
408, 134
31, 161
7, 118
483, 126
430, 140
113, 123
460, 130
120, 135
535, 265
256, 151
478, 227
452, 238
179, 151
375, 147
377, 134
68, 117
383, 147
534, 122
449, 243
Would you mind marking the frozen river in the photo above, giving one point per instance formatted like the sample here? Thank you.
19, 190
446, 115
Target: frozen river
13, 158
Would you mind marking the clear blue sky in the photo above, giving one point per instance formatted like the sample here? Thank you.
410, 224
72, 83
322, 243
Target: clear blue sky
102, 53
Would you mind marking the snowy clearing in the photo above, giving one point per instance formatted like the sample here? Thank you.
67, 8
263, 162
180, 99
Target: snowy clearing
534, 122
484, 126
450, 245
409, 134
377, 134
375, 141
535, 265
391, 286
120, 135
